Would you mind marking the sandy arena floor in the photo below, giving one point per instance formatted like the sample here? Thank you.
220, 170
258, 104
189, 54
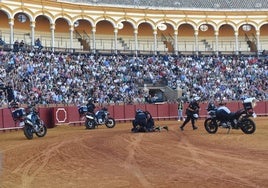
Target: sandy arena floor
72, 157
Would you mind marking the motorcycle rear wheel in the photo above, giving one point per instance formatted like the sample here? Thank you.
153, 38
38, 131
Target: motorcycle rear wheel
28, 131
248, 126
211, 126
110, 123
90, 124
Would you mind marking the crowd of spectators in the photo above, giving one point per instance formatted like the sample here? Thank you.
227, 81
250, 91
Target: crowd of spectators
57, 78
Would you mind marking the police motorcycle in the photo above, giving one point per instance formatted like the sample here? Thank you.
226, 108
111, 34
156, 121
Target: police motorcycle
28, 118
241, 119
101, 117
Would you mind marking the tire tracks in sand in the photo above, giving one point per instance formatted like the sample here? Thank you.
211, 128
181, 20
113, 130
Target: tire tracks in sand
31, 167
131, 164
199, 156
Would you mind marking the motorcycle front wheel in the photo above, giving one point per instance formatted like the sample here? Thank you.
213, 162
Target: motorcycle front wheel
42, 132
248, 126
90, 124
110, 123
28, 131
211, 126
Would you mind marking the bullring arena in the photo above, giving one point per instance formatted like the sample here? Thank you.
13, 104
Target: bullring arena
58, 35
70, 156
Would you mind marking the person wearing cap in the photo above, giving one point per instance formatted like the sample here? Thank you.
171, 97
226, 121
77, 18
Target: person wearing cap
192, 112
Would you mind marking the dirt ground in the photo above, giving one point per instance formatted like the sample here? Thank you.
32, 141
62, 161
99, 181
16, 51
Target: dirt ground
70, 156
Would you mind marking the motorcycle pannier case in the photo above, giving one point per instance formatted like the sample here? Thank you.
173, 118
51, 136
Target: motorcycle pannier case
82, 110
18, 113
247, 105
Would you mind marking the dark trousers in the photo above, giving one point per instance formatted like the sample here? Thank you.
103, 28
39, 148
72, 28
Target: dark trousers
191, 118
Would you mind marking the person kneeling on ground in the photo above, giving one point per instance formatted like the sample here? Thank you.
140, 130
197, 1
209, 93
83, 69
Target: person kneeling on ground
144, 122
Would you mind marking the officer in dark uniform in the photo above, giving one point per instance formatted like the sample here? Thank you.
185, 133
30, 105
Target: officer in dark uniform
150, 122
144, 122
91, 106
192, 112
140, 121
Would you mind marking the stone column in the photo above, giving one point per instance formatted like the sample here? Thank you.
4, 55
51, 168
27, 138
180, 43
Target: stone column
71, 29
115, 39
52, 29
236, 42
155, 41
216, 42
94, 39
258, 41
136, 40
33, 33
196, 42
176, 42
11, 40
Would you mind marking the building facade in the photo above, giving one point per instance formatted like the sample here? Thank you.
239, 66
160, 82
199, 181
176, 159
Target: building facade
100, 27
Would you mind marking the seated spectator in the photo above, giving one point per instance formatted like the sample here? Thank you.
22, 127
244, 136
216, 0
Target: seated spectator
2, 42
21, 45
38, 44
16, 46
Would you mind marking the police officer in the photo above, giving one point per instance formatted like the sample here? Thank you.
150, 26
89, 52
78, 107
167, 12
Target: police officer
140, 121
192, 112
150, 122
91, 106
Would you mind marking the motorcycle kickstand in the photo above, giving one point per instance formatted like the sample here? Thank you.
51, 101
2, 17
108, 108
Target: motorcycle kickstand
229, 128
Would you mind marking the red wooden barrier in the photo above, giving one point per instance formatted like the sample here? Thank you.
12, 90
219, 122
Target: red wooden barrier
152, 109
234, 106
1, 119
60, 115
173, 111
261, 109
53, 116
203, 110
119, 112
163, 111
139, 106
45, 115
7, 119
130, 112
111, 110
73, 114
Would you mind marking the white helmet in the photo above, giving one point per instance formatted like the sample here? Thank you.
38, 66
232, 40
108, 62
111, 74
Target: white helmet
195, 116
